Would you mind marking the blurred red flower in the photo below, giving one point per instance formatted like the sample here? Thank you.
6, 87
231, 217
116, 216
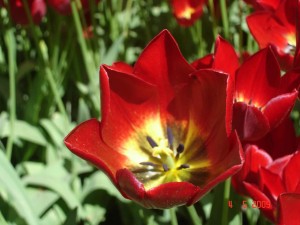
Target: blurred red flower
275, 24
264, 179
288, 211
64, 6
163, 138
187, 12
18, 14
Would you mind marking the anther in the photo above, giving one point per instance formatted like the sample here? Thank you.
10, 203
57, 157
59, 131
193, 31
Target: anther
250, 102
148, 164
184, 166
180, 149
170, 137
165, 167
151, 142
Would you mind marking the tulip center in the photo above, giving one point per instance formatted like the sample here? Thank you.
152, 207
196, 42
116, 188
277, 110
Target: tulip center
187, 13
291, 44
175, 155
250, 102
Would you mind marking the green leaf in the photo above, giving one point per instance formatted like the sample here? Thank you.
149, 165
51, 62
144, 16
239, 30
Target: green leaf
13, 186
48, 199
99, 181
2, 220
83, 111
113, 52
94, 214
26, 132
60, 186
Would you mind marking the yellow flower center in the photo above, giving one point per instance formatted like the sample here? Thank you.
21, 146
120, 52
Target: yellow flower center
168, 154
291, 43
187, 13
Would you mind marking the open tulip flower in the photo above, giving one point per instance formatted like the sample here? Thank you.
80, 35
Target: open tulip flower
264, 179
288, 212
261, 100
163, 139
277, 27
187, 12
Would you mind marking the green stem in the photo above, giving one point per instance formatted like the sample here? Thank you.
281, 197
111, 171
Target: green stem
128, 15
213, 18
194, 216
88, 62
225, 18
43, 52
11, 46
226, 198
173, 216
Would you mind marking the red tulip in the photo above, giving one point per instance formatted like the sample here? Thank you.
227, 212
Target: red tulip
270, 5
162, 139
278, 28
261, 103
37, 9
64, 6
262, 97
280, 141
288, 211
264, 179
187, 12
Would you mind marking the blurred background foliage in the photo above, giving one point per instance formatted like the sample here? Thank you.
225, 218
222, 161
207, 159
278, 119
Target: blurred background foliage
49, 83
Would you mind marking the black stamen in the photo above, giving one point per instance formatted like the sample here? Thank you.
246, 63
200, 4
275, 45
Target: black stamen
184, 166
148, 164
180, 149
151, 142
250, 102
170, 137
166, 168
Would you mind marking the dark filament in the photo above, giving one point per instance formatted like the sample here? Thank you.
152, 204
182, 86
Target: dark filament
170, 137
166, 168
148, 164
151, 142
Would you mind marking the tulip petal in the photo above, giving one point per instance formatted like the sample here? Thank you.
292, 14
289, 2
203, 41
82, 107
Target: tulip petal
127, 102
205, 62
291, 173
270, 183
288, 210
85, 141
258, 79
266, 30
162, 64
163, 196
254, 160
275, 145
279, 107
249, 122
223, 52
